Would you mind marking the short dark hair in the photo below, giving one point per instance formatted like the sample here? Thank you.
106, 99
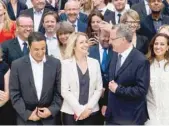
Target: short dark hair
52, 13
35, 37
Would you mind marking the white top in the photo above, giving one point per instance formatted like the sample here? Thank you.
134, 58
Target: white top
37, 19
29, 3
53, 47
21, 43
125, 54
148, 10
37, 69
157, 97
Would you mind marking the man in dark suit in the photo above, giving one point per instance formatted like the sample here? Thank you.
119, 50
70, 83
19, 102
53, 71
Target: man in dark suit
103, 53
142, 9
35, 94
133, 2
129, 76
151, 24
72, 13
37, 13
18, 47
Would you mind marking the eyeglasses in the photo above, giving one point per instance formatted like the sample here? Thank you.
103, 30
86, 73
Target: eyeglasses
117, 38
132, 22
26, 26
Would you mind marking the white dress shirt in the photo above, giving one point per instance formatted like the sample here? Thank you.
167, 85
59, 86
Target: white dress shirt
103, 10
53, 47
125, 54
29, 3
116, 15
148, 10
21, 43
37, 19
37, 69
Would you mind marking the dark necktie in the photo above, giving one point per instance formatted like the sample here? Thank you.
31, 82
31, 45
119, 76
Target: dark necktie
74, 25
118, 63
25, 49
119, 15
104, 60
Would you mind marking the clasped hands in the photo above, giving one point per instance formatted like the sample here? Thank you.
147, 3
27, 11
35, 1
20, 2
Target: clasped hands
86, 113
39, 113
4, 97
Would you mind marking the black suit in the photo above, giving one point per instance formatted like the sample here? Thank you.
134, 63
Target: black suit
128, 106
147, 26
23, 92
31, 13
109, 16
11, 51
20, 7
142, 44
140, 8
133, 2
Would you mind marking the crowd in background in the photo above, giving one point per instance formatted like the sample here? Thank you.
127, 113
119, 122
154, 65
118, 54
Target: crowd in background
84, 62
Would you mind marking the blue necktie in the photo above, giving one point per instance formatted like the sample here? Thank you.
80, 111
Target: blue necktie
25, 49
104, 60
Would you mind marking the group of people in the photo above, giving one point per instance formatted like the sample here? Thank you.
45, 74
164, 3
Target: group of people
84, 62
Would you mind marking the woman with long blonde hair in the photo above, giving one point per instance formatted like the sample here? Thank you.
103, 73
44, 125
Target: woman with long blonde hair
7, 27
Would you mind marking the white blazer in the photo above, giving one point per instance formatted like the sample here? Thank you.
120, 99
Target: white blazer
70, 86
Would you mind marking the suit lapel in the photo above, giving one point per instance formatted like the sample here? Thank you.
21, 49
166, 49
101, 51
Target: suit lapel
47, 69
109, 57
28, 69
144, 8
17, 47
126, 63
113, 66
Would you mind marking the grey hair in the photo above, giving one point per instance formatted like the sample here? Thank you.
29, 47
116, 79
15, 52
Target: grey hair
123, 30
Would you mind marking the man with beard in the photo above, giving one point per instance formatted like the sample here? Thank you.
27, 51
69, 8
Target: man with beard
151, 24
103, 53
50, 25
37, 13
72, 12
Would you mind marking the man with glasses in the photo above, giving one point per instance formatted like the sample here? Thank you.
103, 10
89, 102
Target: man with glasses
129, 76
18, 47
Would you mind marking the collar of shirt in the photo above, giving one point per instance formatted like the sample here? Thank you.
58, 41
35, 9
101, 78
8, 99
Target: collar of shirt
145, 2
49, 38
103, 10
21, 42
126, 52
34, 62
159, 19
38, 12
75, 23
159, 63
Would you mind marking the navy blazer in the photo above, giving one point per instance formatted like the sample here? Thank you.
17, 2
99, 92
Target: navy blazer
11, 51
20, 7
147, 27
82, 27
109, 16
31, 14
127, 106
140, 8
83, 17
95, 53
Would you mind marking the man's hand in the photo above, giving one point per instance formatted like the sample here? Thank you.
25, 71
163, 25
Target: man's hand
86, 113
106, 26
33, 116
113, 86
103, 110
4, 97
44, 112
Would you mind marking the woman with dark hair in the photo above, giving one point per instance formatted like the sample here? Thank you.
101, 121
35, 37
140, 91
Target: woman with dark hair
157, 98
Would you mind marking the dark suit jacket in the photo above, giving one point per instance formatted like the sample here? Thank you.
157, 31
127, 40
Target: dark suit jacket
23, 92
142, 44
30, 13
128, 104
109, 16
141, 9
147, 27
50, 7
11, 51
133, 2
95, 53
166, 8
20, 7
82, 17
82, 27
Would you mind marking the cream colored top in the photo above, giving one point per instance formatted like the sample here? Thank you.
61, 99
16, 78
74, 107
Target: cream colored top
158, 94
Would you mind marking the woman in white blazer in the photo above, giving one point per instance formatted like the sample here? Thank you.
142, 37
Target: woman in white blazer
157, 97
81, 83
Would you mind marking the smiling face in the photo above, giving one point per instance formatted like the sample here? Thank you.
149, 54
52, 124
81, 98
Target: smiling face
95, 23
82, 45
133, 24
160, 47
63, 38
119, 4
